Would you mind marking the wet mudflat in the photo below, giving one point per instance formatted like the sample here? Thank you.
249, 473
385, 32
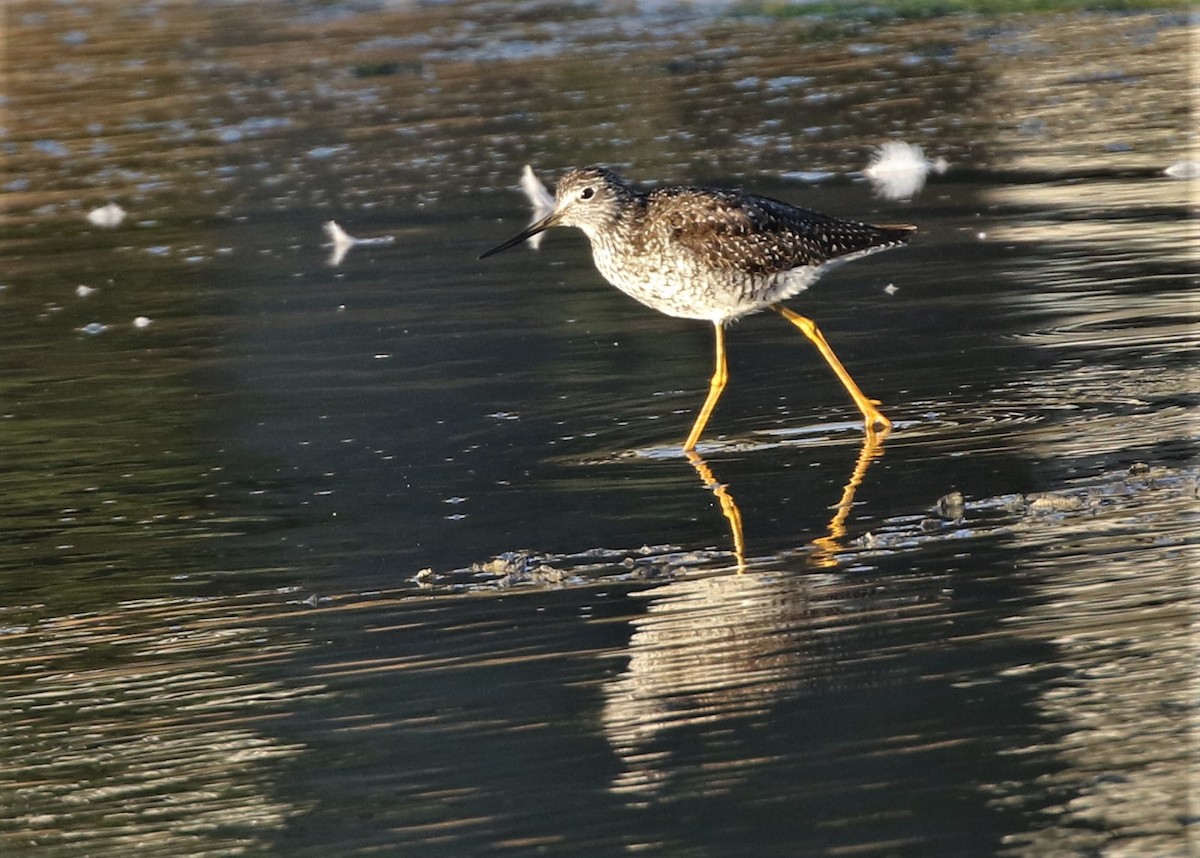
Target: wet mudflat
400, 555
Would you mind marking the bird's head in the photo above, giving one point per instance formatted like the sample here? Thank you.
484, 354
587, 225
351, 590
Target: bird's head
590, 198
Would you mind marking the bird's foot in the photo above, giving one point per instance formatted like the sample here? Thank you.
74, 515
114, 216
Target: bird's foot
877, 426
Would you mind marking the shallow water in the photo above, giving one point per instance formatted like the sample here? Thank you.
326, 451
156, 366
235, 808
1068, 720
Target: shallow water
401, 555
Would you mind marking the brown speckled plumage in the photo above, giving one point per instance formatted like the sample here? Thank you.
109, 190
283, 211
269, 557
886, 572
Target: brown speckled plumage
706, 253
712, 254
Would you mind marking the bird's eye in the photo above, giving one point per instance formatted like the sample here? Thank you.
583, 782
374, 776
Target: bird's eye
587, 193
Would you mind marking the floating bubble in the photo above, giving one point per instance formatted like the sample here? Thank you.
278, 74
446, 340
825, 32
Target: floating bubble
107, 216
540, 198
342, 241
1184, 169
898, 170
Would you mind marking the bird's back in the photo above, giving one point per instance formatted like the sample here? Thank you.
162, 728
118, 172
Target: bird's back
759, 235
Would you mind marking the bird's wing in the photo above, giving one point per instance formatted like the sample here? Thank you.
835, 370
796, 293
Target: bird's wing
763, 236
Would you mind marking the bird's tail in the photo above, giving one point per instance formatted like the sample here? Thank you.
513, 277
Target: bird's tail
901, 232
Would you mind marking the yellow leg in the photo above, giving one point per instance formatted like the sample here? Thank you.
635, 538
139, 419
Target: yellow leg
872, 416
715, 386
729, 507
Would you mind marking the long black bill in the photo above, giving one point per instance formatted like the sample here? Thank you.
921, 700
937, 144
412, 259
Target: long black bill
534, 228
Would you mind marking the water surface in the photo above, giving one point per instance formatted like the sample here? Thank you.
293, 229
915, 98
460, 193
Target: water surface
400, 555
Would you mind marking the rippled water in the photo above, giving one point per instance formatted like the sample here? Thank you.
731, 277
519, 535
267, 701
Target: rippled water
401, 555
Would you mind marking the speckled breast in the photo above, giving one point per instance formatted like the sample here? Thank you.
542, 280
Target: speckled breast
683, 285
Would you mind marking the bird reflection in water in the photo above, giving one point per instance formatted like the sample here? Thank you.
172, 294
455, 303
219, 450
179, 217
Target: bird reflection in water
826, 547
712, 650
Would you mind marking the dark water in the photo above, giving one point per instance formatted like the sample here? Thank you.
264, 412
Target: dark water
400, 555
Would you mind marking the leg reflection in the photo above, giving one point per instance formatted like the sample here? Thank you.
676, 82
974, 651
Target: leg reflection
729, 507
827, 546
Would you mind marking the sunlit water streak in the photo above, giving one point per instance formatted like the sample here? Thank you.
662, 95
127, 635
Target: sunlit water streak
141, 729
